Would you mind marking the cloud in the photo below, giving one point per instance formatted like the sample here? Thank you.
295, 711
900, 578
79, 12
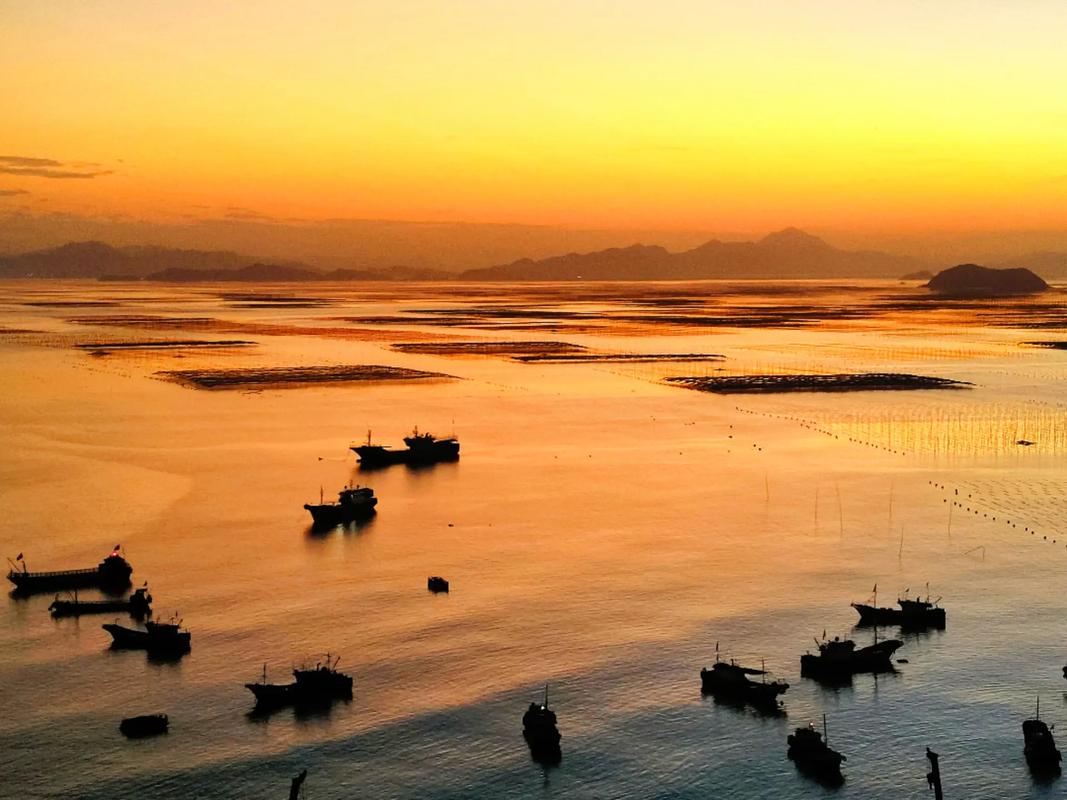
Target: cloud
12, 192
23, 161
27, 166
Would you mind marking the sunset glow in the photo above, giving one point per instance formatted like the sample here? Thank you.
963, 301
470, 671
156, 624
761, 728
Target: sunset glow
675, 115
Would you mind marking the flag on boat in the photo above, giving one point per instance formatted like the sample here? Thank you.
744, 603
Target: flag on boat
18, 557
875, 590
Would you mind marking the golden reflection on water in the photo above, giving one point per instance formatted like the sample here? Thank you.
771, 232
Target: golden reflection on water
601, 531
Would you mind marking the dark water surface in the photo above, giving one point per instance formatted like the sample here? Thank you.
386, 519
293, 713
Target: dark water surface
602, 531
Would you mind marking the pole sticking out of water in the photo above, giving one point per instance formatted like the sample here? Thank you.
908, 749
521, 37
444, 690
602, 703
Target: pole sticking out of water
889, 526
933, 777
840, 511
900, 552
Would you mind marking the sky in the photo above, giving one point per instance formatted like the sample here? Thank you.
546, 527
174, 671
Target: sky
894, 117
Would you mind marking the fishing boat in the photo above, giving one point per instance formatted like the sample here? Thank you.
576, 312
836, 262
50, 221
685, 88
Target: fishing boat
111, 573
353, 503
421, 448
311, 686
917, 613
157, 637
839, 658
540, 731
137, 605
145, 725
1039, 747
437, 584
812, 754
731, 681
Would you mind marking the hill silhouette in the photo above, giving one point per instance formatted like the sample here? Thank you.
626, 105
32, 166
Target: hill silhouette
100, 260
94, 259
789, 253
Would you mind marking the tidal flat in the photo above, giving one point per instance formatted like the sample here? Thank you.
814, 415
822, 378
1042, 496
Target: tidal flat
602, 531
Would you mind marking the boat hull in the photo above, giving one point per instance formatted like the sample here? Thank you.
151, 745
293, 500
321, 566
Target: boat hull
871, 615
761, 695
76, 608
376, 456
333, 514
40, 582
147, 725
276, 695
133, 639
875, 658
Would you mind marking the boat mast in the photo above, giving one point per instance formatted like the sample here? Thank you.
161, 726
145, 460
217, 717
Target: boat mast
546, 697
825, 735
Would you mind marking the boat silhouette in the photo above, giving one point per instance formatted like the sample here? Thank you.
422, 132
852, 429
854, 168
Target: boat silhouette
110, 574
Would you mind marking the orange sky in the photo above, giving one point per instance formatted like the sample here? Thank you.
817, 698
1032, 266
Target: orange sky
678, 114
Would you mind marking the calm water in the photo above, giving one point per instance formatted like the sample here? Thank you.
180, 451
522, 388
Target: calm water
601, 532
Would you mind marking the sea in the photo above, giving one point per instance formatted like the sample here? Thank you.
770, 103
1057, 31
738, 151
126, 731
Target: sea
605, 533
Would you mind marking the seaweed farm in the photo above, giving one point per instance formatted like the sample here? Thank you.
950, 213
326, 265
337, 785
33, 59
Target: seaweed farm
603, 532
488, 348
163, 344
614, 358
293, 376
848, 382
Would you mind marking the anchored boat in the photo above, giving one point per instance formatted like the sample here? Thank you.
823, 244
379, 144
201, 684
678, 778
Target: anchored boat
138, 605
158, 637
813, 755
353, 503
437, 584
730, 681
146, 725
421, 448
917, 613
540, 731
1039, 747
841, 658
111, 573
311, 686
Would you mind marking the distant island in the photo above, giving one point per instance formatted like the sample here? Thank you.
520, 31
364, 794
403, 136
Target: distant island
921, 275
976, 281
